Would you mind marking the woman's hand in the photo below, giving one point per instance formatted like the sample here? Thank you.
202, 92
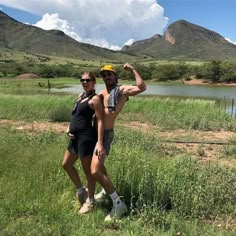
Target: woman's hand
72, 136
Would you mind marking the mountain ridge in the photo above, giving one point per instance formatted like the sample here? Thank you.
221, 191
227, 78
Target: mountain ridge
182, 40
15, 35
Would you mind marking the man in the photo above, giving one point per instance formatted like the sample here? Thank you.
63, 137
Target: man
113, 99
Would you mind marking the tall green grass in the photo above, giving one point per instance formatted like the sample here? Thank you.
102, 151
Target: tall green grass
165, 195
148, 178
166, 113
38, 107
174, 113
38, 83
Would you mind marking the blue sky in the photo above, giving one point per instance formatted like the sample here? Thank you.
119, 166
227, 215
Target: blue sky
216, 15
113, 23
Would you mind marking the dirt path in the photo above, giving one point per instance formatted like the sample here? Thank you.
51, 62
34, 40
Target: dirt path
205, 145
35, 127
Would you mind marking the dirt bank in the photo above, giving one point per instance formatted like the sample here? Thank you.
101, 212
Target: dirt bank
205, 82
204, 145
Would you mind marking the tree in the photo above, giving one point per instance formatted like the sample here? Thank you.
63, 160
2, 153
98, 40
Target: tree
213, 71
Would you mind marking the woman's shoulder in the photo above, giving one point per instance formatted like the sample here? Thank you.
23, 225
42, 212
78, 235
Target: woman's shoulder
96, 98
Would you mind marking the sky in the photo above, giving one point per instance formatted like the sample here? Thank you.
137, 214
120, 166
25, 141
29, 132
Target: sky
115, 23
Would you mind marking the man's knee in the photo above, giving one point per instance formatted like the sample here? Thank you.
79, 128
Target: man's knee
96, 173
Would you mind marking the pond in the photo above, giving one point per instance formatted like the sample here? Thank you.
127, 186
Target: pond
198, 91
225, 94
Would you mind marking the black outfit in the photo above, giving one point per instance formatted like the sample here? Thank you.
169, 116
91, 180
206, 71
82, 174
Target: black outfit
81, 127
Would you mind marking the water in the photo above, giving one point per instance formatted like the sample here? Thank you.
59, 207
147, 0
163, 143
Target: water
197, 91
208, 92
224, 94
211, 92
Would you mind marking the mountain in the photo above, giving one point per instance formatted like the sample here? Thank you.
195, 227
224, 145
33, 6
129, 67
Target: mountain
22, 37
181, 41
185, 41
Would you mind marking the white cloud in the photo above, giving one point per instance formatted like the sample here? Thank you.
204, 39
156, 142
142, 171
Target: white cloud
129, 42
53, 21
109, 24
230, 41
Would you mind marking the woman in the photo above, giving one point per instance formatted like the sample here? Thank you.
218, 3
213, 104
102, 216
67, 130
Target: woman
85, 140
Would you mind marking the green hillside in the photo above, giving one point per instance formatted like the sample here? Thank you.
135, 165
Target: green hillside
181, 41
16, 36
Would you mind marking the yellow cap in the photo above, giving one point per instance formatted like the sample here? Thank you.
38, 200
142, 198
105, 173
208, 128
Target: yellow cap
108, 68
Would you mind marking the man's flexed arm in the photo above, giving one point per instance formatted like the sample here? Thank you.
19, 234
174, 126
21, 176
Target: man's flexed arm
133, 89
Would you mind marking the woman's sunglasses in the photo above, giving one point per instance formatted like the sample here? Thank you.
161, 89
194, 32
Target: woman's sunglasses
85, 80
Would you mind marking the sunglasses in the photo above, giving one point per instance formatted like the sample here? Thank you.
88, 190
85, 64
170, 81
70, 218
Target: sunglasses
85, 80
106, 74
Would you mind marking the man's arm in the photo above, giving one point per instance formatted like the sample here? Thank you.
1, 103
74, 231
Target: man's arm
133, 89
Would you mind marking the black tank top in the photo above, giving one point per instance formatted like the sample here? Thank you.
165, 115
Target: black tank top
81, 119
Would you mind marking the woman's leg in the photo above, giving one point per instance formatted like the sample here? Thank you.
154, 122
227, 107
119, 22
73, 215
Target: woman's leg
68, 165
91, 182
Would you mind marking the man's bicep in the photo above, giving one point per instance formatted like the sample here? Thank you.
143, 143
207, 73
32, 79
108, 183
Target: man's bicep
130, 90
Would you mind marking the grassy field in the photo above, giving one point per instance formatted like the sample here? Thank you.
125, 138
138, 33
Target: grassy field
166, 194
167, 113
11, 56
22, 57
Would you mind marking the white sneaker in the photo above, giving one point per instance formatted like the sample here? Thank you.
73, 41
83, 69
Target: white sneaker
87, 207
117, 211
100, 197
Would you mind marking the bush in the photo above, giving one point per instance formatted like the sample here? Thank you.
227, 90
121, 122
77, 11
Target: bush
228, 78
171, 72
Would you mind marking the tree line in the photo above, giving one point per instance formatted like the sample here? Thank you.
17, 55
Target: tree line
214, 71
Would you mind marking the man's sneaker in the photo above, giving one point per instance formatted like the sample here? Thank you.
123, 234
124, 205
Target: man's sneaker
87, 206
101, 196
82, 196
117, 211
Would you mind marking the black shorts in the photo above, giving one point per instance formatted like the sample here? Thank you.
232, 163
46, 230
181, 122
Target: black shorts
81, 148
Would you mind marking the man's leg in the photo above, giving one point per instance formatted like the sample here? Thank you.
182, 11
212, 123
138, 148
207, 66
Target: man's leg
97, 168
104, 170
102, 195
108, 136
98, 171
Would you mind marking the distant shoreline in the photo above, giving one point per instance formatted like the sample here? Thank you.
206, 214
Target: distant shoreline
205, 82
